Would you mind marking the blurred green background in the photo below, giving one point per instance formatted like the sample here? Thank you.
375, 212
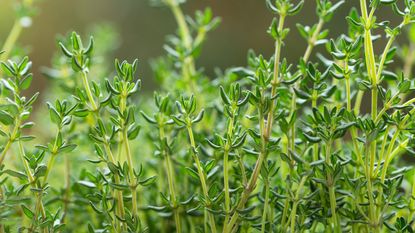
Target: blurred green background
142, 30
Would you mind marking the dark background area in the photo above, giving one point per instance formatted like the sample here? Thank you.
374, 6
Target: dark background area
143, 28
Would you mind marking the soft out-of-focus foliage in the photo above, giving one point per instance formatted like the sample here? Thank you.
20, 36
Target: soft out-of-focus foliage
266, 147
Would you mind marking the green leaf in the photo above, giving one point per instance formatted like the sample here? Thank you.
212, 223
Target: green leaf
54, 115
150, 180
95, 208
16, 174
133, 132
90, 228
25, 82
26, 138
302, 94
404, 86
199, 116
121, 187
65, 50
76, 41
67, 148
32, 99
6, 118
27, 211
302, 30
192, 173
147, 118
213, 145
294, 10
311, 139
8, 69
40, 171
90, 48
224, 96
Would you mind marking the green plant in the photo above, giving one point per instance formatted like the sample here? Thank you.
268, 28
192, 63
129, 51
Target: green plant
268, 147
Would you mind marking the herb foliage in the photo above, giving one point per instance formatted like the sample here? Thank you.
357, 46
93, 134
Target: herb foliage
267, 147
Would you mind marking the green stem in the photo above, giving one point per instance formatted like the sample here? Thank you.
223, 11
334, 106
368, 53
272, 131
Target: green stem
409, 61
118, 193
266, 207
242, 167
132, 179
1, 198
358, 102
332, 194
54, 153
226, 185
347, 78
349, 108
5, 150
10, 141
270, 218
67, 188
401, 147
315, 146
188, 67
383, 147
285, 213
311, 44
296, 202
275, 81
226, 171
412, 200
39, 206
313, 40
181, 21
201, 176
88, 91
333, 205
388, 153
247, 192
378, 76
231, 225
49, 167
170, 177
371, 70
384, 55
124, 140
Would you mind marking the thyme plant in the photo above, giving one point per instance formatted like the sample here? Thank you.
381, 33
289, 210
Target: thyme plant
265, 147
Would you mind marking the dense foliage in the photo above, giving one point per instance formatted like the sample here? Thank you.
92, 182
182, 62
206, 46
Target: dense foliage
267, 147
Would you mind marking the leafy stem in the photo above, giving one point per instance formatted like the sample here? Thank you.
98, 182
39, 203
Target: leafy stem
11, 139
312, 41
266, 132
54, 153
275, 82
331, 186
125, 141
188, 66
265, 211
85, 81
297, 199
371, 70
170, 177
31, 178
200, 173
226, 169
